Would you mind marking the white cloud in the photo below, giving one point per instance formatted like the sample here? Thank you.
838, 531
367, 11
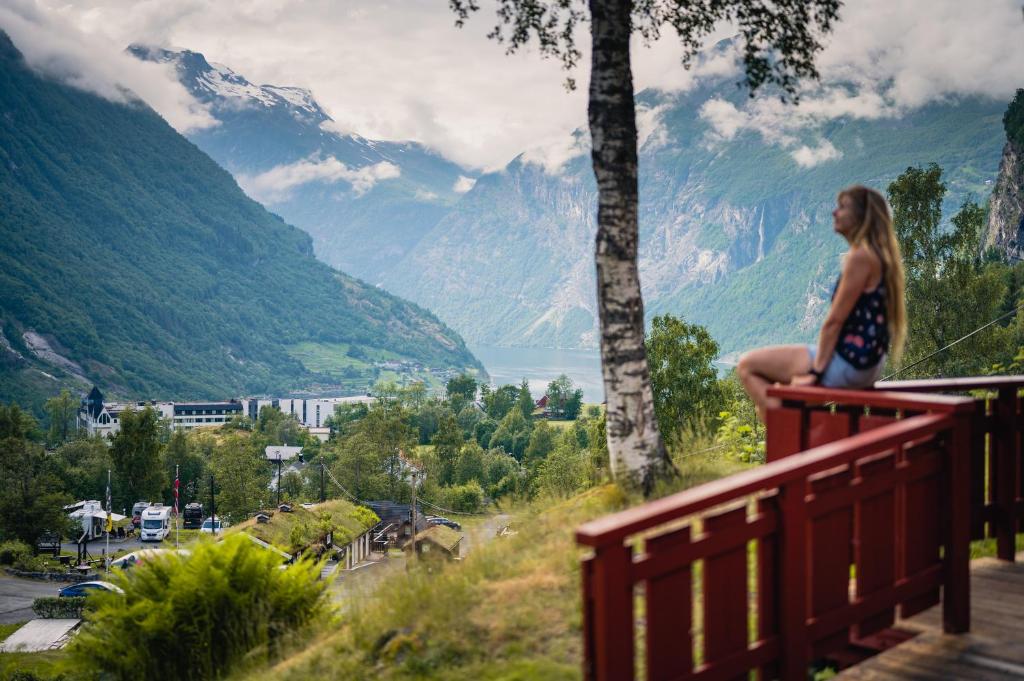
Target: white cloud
808, 157
651, 132
276, 184
424, 195
553, 154
402, 71
725, 119
463, 184
57, 49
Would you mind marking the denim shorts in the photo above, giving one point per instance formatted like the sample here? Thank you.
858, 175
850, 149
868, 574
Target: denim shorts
842, 374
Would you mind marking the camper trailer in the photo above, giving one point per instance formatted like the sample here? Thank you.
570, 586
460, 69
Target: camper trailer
156, 523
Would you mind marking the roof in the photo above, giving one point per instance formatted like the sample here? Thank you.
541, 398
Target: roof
445, 537
283, 452
226, 406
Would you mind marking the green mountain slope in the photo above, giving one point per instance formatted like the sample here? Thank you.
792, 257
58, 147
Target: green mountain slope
132, 260
734, 234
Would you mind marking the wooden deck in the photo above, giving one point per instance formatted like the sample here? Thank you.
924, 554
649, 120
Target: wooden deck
994, 648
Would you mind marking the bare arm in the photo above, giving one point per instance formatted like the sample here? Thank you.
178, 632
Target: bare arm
857, 269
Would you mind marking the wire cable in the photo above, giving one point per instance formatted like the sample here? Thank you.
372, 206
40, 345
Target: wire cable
962, 338
363, 502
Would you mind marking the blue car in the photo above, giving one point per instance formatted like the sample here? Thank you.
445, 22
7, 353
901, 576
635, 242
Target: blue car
85, 588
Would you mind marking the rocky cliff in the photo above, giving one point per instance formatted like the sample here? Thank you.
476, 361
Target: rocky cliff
1006, 207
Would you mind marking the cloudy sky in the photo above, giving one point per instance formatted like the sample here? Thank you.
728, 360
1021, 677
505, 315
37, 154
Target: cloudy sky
399, 69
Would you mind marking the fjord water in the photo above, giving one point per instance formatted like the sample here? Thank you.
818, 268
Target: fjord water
540, 366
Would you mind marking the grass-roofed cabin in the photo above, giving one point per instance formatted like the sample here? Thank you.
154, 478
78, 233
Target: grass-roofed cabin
437, 541
310, 529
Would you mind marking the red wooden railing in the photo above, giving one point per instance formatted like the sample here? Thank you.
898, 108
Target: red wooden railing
808, 417
889, 496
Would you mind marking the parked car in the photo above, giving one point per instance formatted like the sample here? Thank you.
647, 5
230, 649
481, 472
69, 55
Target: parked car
440, 520
85, 588
208, 525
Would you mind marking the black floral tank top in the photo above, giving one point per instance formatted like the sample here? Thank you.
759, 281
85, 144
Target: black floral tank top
864, 338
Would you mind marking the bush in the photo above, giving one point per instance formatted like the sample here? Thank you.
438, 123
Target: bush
54, 608
13, 551
203, 613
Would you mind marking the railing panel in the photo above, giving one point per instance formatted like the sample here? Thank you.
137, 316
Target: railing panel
669, 605
873, 500
825, 427
922, 536
874, 548
725, 590
768, 586
831, 535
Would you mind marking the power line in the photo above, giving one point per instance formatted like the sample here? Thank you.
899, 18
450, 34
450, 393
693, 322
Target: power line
363, 502
962, 338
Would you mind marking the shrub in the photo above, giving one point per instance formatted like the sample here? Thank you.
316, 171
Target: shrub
52, 607
203, 613
13, 551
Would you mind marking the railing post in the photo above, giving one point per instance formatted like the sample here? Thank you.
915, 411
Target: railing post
1006, 473
793, 581
612, 625
784, 432
956, 590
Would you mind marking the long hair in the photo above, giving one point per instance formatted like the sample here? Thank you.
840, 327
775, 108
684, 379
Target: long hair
874, 229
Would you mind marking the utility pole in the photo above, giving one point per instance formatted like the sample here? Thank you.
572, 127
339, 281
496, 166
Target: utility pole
414, 557
213, 509
323, 495
278, 478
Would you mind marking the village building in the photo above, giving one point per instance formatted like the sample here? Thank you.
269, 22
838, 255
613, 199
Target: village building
437, 541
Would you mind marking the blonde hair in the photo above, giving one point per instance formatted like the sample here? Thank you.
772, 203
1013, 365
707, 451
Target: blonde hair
874, 229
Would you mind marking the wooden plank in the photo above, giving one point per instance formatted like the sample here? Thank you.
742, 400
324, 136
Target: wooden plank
921, 527
768, 583
725, 592
824, 427
669, 614
783, 433
613, 613
874, 545
831, 535
587, 570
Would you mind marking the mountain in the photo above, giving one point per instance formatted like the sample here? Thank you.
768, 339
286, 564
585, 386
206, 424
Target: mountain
131, 260
1006, 208
735, 225
735, 233
366, 203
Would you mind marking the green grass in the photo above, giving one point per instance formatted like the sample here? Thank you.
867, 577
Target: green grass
8, 629
510, 610
46, 665
326, 358
283, 529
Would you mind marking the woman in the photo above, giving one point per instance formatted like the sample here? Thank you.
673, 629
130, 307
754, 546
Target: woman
867, 319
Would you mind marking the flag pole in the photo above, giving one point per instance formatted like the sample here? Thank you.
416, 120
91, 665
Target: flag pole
109, 524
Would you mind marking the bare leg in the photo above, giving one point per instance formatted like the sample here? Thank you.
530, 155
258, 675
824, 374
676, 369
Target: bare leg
761, 368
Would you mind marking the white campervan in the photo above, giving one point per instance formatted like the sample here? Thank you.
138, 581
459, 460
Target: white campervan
156, 523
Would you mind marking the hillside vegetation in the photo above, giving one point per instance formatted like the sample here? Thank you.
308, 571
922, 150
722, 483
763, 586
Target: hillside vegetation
132, 260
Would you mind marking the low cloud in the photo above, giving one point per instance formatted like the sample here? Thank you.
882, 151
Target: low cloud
57, 49
276, 185
463, 184
808, 157
552, 155
459, 93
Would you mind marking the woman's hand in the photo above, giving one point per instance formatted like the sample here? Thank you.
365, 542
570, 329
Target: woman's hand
804, 379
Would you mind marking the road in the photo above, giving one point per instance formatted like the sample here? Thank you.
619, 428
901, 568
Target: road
16, 596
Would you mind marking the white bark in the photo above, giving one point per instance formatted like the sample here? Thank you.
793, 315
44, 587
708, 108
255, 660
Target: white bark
635, 445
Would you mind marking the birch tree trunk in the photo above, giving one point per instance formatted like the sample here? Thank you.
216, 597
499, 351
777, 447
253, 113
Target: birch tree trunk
635, 445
